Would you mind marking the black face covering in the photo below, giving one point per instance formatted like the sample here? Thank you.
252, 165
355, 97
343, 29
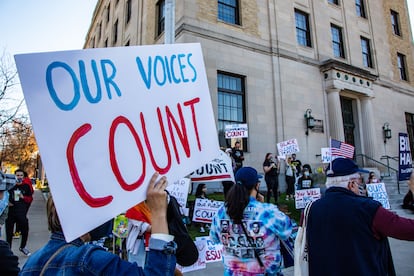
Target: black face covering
101, 231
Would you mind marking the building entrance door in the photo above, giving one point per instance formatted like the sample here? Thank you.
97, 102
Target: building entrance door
348, 120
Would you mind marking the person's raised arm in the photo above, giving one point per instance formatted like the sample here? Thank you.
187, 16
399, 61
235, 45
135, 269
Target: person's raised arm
157, 202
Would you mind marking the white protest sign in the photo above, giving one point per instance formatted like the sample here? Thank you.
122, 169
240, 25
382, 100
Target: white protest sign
287, 147
201, 261
106, 119
236, 131
205, 209
304, 196
326, 155
378, 192
179, 189
214, 252
219, 169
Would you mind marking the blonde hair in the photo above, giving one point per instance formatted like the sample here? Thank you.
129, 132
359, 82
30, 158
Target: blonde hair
340, 181
52, 216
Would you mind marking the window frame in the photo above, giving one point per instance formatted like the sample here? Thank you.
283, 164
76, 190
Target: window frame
231, 99
128, 11
340, 44
233, 11
360, 8
366, 52
160, 17
402, 66
300, 31
115, 32
409, 121
395, 23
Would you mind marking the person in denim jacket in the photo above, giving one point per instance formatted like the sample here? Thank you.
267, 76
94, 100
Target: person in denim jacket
78, 258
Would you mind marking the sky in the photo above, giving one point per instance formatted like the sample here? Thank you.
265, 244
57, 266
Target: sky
29, 26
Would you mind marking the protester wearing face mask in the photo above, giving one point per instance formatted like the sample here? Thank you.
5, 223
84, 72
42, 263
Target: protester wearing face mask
305, 181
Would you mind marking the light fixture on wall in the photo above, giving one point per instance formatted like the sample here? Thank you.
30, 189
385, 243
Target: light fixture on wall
386, 132
310, 121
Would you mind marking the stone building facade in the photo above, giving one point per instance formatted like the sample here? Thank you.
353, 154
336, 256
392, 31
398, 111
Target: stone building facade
271, 63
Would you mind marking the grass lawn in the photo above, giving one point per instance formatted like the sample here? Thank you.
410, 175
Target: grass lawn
194, 230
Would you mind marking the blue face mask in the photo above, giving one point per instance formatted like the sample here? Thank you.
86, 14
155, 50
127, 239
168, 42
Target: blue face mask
306, 173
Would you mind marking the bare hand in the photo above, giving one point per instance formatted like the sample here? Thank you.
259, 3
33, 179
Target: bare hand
157, 203
260, 197
156, 195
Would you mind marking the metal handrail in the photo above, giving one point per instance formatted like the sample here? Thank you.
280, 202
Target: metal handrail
387, 166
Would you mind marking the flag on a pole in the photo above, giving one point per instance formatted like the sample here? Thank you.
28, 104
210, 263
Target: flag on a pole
343, 149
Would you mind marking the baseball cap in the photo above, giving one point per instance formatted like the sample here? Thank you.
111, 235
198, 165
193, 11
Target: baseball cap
342, 167
247, 176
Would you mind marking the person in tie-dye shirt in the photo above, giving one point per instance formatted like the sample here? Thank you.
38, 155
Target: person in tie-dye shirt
254, 248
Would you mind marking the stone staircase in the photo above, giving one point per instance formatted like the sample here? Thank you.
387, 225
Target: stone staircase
391, 186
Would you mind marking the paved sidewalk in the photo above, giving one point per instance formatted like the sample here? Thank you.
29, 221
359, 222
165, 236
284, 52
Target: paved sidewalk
403, 251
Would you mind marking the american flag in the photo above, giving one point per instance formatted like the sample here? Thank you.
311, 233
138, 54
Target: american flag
343, 149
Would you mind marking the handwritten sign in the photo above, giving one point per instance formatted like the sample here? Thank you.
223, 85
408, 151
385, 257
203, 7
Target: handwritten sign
179, 189
236, 131
377, 192
205, 209
214, 252
326, 155
219, 169
303, 197
288, 147
201, 261
106, 119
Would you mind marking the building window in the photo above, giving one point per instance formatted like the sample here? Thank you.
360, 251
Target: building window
409, 119
231, 105
337, 41
402, 66
128, 11
161, 17
228, 11
108, 12
302, 28
360, 8
395, 22
115, 32
366, 52
99, 34
335, 2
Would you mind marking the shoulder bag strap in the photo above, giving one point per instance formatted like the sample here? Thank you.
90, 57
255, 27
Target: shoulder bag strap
52, 257
306, 214
252, 245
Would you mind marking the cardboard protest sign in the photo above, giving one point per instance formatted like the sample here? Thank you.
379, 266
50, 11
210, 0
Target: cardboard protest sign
236, 131
287, 147
205, 209
214, 252
378, 192
201, 262
179, 189
106, 119
219, 169
303, 197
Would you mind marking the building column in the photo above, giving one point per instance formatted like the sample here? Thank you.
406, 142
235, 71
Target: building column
336, 124
368, 135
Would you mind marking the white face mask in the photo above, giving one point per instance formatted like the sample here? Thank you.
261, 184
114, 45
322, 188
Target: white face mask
306, 173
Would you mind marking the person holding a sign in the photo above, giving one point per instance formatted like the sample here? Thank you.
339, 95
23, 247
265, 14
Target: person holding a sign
261, 226
238, 156
76, 258
271, 170
347, 233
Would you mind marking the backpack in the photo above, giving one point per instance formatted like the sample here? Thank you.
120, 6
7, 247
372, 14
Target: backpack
186, 253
